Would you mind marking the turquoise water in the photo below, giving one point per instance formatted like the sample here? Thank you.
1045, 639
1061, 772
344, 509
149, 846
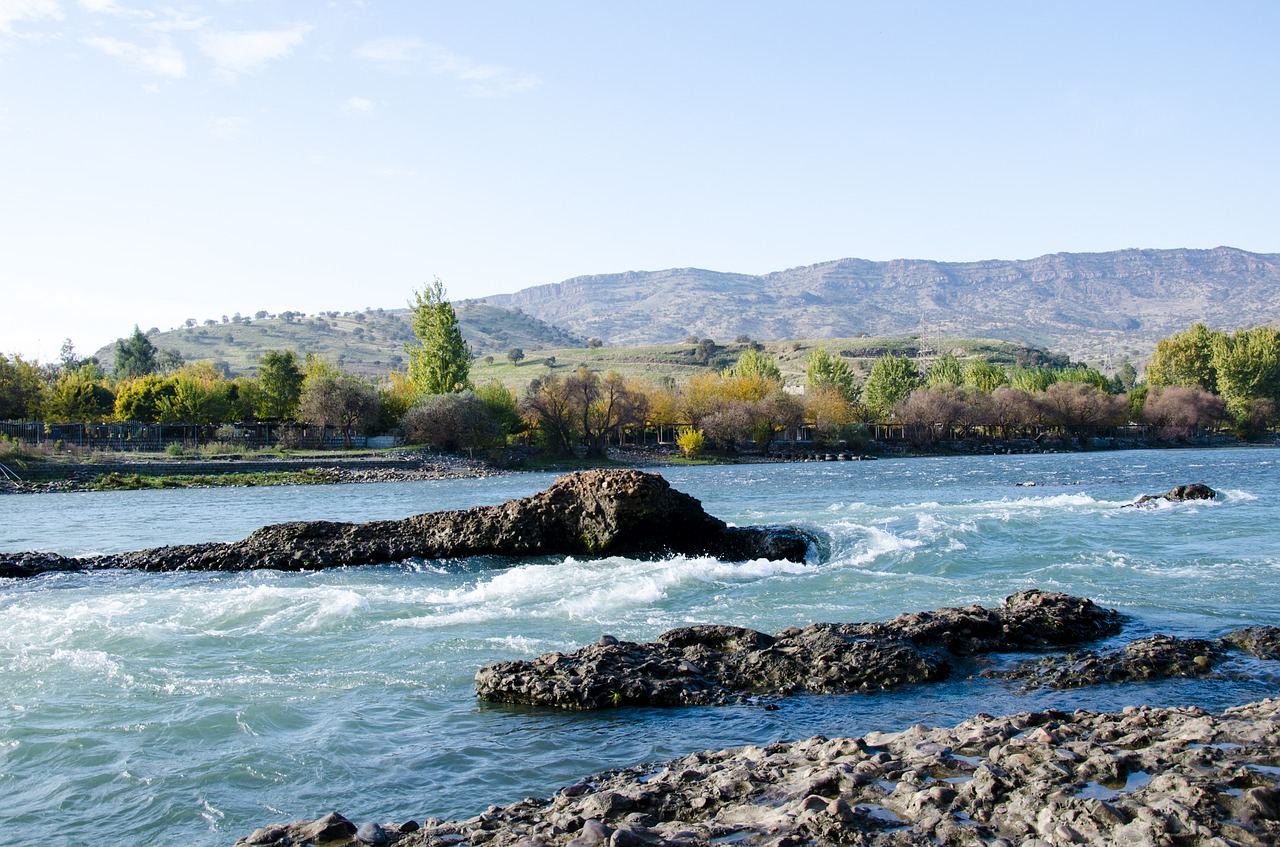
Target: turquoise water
149, 708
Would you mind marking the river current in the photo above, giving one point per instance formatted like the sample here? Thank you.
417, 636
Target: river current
194, 708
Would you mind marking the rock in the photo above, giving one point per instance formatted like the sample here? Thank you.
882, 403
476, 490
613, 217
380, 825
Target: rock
371, 833
1186, 777
1261, 641
1158, 657
592, 513
717, 664
1182, 493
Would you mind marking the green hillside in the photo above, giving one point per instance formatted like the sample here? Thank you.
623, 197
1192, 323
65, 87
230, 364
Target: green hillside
679, 361
369, 343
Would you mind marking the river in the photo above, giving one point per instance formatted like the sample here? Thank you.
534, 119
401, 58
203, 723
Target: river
194, 708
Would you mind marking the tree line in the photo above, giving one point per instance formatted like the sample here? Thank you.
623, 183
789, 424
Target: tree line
1198, 378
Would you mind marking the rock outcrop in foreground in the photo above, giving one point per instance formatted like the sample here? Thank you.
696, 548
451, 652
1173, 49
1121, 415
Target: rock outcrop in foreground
710, 664
597, 513
1141, 776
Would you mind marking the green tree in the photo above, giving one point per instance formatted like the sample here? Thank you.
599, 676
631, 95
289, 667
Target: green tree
280, 384
134, 356
753, 363
1247, 364
199, 396
984, 376
892, 379
514, 355
945, 371
501, 405
1186, 358
441, 361
826, 373
80, 396
22, 390
138, 399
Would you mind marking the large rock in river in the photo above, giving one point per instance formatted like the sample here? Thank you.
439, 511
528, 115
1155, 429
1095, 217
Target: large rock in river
595, 513
713, 664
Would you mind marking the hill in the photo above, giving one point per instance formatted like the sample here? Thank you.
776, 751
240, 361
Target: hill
369, 343
1092, 306
654, 363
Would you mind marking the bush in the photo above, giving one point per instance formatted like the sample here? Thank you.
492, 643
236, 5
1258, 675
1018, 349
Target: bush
691, 442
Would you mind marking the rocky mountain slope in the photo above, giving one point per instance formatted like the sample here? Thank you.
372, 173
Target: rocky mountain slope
1089, 305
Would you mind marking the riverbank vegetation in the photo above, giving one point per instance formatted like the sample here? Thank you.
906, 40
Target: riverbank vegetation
711, 396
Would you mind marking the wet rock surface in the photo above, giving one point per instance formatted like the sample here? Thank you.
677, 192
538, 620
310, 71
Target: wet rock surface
1157, 657
716, 664
601, 512
1181, 493
1142, 776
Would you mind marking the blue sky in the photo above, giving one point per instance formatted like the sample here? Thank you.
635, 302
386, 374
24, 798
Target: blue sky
195, 159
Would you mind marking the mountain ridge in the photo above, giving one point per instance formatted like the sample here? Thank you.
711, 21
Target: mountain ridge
1089, 305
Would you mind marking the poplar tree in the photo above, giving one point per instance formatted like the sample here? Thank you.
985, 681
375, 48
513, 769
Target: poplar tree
441, 362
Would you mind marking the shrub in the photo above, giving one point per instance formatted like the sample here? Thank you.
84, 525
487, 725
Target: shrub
690, 441
457, 421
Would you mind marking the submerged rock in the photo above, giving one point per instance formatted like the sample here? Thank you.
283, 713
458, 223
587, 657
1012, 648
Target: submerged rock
1140, 776
710, 664
595, 513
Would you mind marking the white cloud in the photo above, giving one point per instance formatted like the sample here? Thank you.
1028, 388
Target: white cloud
481, 80
392, 53
228, 126
245, 52
111, 7
358, 106
398, 53
12, 11
178, 22
163, 60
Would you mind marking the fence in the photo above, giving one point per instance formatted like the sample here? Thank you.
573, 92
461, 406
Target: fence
156, 438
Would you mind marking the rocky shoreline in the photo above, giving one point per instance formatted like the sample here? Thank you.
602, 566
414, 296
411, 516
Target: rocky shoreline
594, 513
1041, 779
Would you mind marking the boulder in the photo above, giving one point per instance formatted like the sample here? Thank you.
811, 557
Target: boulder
592, 513
718, 664
1181, 493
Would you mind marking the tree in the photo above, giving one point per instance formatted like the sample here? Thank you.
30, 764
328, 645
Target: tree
547, 405
168, 361
753, 363
80, 396
134, 356
280, 384
705, 350
515, 355
501, 405
340, 400
1247, 365
1077, 406
199, 395
594, 342
441, 361
826, 373
604, 406
138, 399
984, 376
455, 421
22, 390
1176, 411
1185, 358
892, 379
945, 371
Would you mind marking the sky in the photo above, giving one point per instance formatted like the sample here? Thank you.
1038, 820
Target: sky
165, 161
